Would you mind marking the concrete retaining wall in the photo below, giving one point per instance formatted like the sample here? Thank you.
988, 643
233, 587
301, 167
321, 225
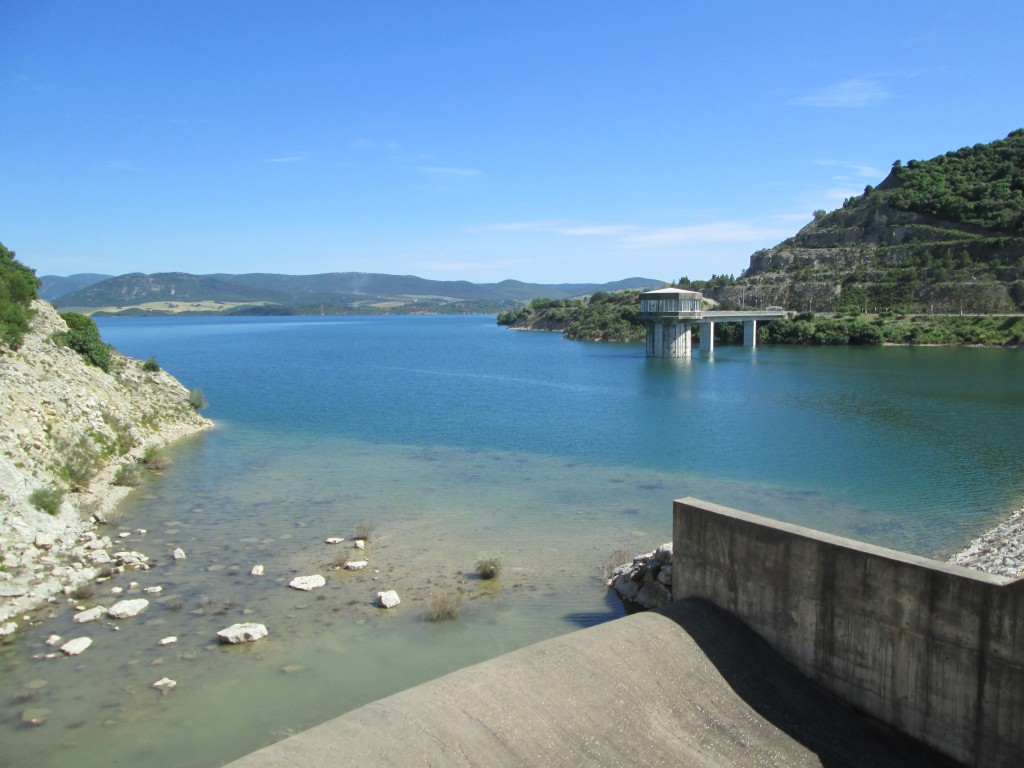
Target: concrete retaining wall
934, 650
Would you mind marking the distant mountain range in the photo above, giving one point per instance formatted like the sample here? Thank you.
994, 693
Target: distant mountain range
329, 293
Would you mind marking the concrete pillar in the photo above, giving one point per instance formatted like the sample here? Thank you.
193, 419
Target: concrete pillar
750, 333
680, 346
707, 337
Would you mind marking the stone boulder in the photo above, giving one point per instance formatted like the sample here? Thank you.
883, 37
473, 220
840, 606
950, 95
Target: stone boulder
356, 565
164, 684
91, 614
76, 646
306, 583
647, 581
388, 599
242, 633
125, 609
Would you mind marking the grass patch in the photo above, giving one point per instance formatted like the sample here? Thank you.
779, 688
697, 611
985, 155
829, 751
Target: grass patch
363, 530
83, 590
47, 499
81, 462
197, 399
615, 559
445, 606
488, 567
154, 459
129, 475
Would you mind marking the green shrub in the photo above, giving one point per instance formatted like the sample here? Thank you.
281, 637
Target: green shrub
84, 338
488, 567
196, 399
124, 440
444, 606
153, 458
129, 475
18, 286
47, 499
151, 365
80, 462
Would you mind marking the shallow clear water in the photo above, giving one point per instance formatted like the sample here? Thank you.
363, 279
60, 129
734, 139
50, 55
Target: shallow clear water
456, 438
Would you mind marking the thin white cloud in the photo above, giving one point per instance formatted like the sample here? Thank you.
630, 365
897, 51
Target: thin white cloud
853, 93
595, 230
287, 158
839, 194
35, 85
710, 232
858, 169
449, 171
633, 236
516, 226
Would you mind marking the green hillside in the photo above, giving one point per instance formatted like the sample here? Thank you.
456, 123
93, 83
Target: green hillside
944, 235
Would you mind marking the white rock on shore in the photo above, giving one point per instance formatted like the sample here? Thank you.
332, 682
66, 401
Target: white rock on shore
646, 582
388, 599
52, 398
242, 633
76, 646
999, 551
128, 608
306, 583
96, 612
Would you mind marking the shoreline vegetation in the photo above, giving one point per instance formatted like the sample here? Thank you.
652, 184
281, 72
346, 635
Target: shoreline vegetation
615, 317
79, 425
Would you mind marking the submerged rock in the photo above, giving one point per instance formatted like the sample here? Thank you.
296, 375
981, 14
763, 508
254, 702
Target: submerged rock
164, 684
307, 583
76, 646
242, 633
91, 614
34, 716
128, 608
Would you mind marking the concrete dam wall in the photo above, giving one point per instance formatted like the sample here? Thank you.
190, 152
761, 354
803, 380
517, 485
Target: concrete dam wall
785, 647
933, 650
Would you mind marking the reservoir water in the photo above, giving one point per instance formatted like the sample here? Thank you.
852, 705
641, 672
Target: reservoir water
456, 439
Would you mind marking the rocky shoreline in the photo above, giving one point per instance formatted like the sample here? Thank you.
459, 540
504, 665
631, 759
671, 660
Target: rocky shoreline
646, 581
55, 409
999, 551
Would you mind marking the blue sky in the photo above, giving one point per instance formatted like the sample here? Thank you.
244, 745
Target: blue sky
473, 140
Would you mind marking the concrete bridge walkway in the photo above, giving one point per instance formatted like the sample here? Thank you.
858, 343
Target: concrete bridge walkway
686, 686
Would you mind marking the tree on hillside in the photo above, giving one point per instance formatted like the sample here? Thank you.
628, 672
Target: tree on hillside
18, 286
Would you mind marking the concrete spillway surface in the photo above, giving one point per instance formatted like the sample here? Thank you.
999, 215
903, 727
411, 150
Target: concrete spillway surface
687, 686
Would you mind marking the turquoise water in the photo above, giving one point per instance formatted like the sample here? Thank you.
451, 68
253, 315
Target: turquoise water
456, 439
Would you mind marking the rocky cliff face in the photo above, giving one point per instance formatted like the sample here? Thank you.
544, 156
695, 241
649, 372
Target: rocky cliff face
876, 258
67, 426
